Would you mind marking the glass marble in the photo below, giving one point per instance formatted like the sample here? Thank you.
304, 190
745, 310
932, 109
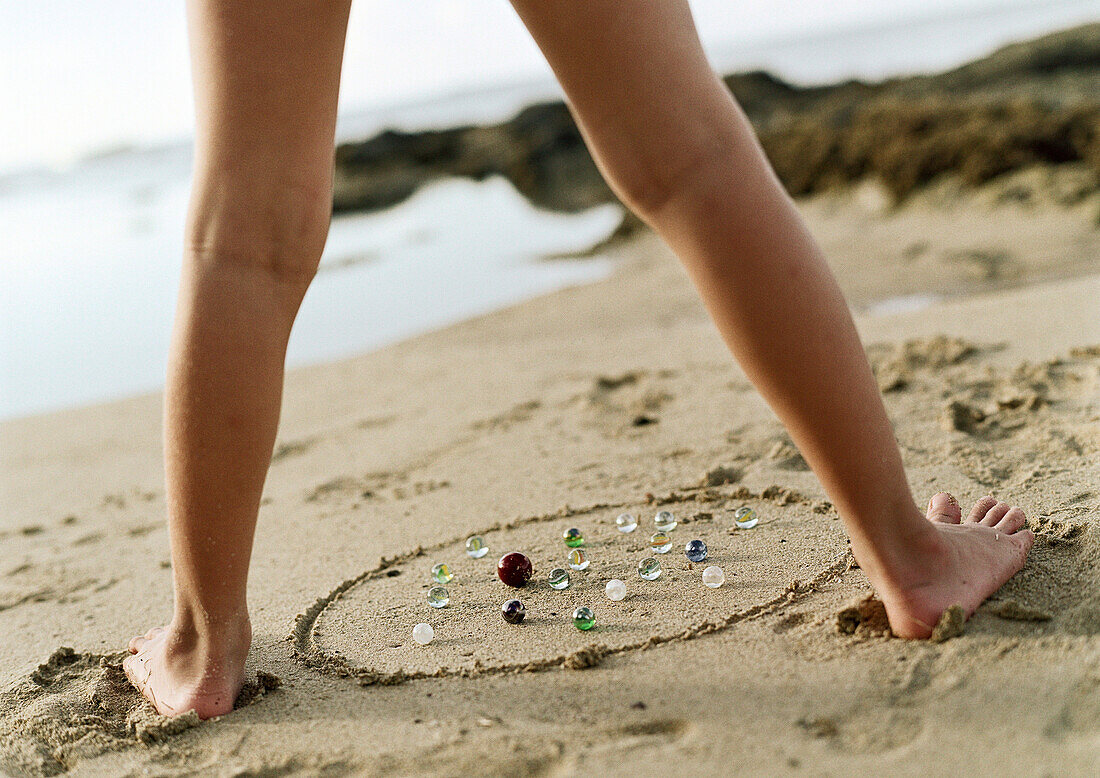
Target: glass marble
558, 578
695, 551
513, 611
660, 543
476, 547
625, 522
615, 590
577, 559
573, 537
423, 634
584, 619
745, 517
714, 577
438, 597
515, 569
649, 568
664, 521
441, 573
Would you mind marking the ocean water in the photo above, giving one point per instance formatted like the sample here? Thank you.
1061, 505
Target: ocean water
89, 261
89, 271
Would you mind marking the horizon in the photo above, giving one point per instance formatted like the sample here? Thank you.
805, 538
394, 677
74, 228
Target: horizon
384, 68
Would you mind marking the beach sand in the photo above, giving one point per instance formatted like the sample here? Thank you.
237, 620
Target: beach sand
566, 411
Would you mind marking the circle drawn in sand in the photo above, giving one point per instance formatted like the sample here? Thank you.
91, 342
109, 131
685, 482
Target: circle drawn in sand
363, 628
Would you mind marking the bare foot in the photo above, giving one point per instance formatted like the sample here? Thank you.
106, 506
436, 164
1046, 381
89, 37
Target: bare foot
177, 671
962, 563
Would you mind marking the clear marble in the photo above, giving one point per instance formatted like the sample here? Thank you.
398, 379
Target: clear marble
513, 611
660, 543
695, 551
650, 568
438, 597
584, 619
476, 547
664, 521
577, 559
558, 578
745, 517
714, 577
625, 522
615, 590
423, 634
441, 573
573, 537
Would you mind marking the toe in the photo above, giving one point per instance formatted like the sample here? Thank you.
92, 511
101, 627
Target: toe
136, 671
1025, 538
137, 643
981, 507
944, 508
995, 514
1012, 520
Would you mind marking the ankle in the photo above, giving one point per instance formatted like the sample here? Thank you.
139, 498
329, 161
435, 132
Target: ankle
215, 636
907, 556
210, 662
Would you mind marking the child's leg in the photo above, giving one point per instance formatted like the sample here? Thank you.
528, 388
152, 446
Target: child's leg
677, 149
266, 78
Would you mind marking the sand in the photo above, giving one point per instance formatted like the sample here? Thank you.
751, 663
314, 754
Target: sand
566, 411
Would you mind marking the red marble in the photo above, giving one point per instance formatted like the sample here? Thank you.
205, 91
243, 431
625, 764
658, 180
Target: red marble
514, 569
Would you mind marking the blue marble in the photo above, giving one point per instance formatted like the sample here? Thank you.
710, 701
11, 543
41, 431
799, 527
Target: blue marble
695, 551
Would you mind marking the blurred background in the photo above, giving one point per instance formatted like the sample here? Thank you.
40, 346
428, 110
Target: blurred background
458, 170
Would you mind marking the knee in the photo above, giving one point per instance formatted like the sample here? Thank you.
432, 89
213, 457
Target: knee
278, 229
652, 178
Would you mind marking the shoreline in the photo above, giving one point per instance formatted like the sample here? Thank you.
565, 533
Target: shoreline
943, 271
1023, 116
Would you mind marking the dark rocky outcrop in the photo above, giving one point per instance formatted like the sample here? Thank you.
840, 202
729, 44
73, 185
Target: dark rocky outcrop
1027, 104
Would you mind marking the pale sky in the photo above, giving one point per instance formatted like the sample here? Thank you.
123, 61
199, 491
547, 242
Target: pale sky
77, 75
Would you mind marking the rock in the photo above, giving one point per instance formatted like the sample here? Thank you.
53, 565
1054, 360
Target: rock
1027, 105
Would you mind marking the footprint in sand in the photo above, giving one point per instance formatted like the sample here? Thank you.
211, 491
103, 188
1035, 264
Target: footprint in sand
51, 592
1081, 713
395, 486
517, 414
77, 706
897, 366
291, 448
632, 399
999, 425
362, 629
870, 732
